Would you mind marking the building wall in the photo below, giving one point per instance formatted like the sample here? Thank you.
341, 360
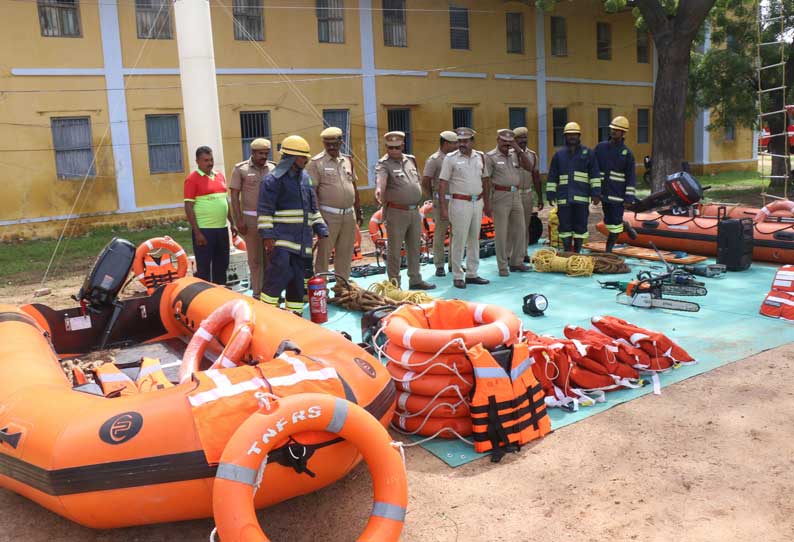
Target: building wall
294, 77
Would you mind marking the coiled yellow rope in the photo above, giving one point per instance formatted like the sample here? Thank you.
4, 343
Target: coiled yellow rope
546, 260
391, 291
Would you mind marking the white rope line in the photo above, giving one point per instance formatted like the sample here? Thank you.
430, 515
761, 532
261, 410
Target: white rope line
382, 351
453, 406
417, 376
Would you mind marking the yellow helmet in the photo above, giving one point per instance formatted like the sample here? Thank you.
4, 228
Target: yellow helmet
295, 146
572, 128
620, 123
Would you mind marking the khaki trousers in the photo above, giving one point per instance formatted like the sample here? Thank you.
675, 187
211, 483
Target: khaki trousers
465, 218
509, 228
527, 202
439, 235
341, 239
257, 260
403, 226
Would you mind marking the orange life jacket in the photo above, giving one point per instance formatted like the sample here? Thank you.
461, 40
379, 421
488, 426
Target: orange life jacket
778, 304
151, 376
507, 409
158, 271
225, 398
113, 381
663, 352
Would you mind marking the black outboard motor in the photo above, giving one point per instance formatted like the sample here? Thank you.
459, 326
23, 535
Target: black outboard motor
680, 190
106, 279
104, 282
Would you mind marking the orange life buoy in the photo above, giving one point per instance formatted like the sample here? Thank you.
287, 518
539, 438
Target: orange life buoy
239, 243
377, 228
237, 311
780, 205
448, 385
434, 327
428, 426
421, 361
411, 404
152, 279
357, 246
244, 458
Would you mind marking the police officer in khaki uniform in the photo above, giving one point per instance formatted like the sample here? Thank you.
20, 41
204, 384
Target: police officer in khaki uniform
334, 180
448, 142
502, 173
530, 180
244, 185
398, 188
461, 178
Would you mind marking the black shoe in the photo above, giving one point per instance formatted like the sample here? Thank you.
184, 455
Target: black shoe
526, 259
422, 286
440, 272
577, 245
459, 283
567, 244
611, 238
520, 268
477, 280
629, 229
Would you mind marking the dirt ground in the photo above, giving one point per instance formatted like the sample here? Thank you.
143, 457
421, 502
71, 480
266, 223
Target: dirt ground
712, 458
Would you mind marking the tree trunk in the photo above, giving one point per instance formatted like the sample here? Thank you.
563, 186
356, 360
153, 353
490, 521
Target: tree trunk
669, 109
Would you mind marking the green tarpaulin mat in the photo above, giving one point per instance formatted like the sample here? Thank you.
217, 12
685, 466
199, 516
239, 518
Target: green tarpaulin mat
727, 328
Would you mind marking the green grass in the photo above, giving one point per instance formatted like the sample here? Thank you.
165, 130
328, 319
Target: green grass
25, 262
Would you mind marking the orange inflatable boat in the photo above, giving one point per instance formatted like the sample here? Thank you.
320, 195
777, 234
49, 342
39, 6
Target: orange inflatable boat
149, 454
697, 233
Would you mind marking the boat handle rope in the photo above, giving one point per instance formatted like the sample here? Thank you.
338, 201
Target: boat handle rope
382, 352
454, 406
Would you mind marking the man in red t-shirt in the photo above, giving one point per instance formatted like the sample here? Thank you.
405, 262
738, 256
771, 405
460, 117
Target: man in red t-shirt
207, 210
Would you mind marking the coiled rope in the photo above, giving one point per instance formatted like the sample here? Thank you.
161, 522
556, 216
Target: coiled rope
546, 260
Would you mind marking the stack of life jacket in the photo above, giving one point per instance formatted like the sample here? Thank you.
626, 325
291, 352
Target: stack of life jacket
147, 377
779, 302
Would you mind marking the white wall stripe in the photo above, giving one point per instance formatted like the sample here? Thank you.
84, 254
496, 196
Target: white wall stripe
584, 81
465, 75
57, 71
89, 215
412, 73
368, 87
512, 76
288, 71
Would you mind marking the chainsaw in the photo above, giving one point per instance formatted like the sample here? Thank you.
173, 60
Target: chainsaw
647, 291
647, 300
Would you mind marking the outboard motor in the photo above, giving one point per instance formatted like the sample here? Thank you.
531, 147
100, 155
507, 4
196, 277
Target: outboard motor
103, 284
681, 190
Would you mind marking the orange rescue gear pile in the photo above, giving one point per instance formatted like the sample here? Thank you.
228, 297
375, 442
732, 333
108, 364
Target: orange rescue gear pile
153, 271
779, 302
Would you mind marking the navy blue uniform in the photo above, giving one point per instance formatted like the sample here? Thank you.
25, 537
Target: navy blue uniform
618, 181
287, 213
572, 181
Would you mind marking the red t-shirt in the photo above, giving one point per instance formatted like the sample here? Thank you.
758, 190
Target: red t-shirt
208, 195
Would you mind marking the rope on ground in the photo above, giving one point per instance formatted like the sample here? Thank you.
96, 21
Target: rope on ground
604, 264
546, 260
351, 296
391, 290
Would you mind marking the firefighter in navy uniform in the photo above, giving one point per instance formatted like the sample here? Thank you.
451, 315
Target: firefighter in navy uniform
287, 216
618, 179
572, 184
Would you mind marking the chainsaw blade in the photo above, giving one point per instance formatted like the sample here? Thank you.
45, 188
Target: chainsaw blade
684, 290
675, 304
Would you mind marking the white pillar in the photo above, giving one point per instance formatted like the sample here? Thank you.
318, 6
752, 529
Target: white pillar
369, 88
197, 75
540, 73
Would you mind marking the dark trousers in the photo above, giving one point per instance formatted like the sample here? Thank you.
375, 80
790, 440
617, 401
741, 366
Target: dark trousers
212, 260
613, 217
573, 220
286, 271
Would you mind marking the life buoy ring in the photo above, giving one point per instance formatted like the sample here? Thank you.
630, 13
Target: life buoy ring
428, 426
780, 205
473, 323
237, 311
449, 385
245, 456
239, 243
151, 278
377, 228
410, 404
421, 361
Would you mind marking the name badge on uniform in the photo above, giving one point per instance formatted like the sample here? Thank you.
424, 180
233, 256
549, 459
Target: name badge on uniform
500, 163
461, 163
330, 169
251, 175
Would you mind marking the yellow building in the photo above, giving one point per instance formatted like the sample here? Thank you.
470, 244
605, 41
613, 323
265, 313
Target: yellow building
90, 106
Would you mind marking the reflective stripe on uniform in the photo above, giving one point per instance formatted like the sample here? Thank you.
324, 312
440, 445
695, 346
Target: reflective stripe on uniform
580, 235
289, 212
287, 244
288, 220
615, 198
581, 199
617, 176
269, 299
595, 182
614, 228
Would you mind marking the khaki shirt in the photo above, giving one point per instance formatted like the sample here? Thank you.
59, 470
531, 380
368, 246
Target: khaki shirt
403, 184
502, 170
246, 178
464, 174
526, 176
334, 180
433, 169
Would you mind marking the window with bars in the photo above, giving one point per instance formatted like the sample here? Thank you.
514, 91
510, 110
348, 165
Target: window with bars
604, 41
330, 21
153, 18
517, 117
59, 18
730, 132
339, 118
399, 119
394, 33
165, 143
643, 47
515, 32
604, 118
462, 116
254, 124
458, 27
559, 37
559, 118
74, 152
248, 22
643, 125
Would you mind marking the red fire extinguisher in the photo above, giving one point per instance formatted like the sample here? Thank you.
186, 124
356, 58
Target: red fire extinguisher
318, 299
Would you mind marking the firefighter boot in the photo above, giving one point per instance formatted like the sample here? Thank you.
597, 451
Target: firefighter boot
629, 229
577, 245
566, 244
611, 238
